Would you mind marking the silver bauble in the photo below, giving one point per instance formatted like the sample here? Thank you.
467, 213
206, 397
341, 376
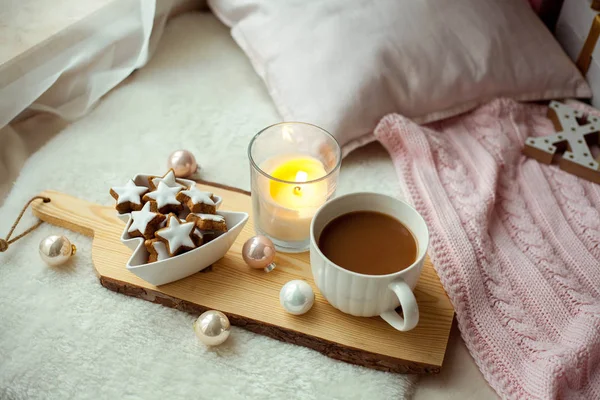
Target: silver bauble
297, 297
212, 328
56, 250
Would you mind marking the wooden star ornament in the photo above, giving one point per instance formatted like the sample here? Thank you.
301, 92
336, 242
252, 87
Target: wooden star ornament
575, 136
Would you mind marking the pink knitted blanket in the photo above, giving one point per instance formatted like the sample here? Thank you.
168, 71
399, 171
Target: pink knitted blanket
516, 245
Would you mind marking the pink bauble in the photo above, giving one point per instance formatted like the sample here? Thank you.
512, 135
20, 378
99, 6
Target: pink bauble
183, 163
259, 252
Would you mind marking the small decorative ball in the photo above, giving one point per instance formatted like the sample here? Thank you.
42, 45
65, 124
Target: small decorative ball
183, 163
297, 297
56, 250
212, 328
258, 252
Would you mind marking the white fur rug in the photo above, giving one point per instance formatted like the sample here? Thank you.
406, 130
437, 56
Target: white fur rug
64, 336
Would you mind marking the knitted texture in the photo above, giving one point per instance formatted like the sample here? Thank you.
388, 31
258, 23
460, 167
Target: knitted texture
516, 244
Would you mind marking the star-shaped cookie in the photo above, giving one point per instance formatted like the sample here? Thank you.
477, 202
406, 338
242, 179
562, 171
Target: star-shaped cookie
168, 179
208, 222
128, 197
157, 249
198, 237
164, 199
145, 222
177, 235
198, 201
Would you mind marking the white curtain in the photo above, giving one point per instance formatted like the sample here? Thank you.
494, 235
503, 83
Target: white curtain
70, 71
74, 68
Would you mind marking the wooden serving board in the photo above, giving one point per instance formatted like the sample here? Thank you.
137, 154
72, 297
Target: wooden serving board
250, 297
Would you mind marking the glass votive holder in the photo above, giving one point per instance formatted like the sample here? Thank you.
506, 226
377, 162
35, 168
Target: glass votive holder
294, 168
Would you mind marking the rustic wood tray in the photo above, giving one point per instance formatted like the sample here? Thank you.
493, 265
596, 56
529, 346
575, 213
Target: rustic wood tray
250, 298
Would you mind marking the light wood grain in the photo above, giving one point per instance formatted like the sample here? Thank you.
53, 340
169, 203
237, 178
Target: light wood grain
251, 297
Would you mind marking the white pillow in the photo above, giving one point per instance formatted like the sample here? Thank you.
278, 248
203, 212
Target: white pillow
344, 64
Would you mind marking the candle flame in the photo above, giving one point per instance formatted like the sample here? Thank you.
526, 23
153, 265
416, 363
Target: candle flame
301, 176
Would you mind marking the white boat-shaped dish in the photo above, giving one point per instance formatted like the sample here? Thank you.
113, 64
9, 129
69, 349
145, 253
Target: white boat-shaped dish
186, 264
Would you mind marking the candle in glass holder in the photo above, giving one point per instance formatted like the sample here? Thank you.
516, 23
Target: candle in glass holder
293, 179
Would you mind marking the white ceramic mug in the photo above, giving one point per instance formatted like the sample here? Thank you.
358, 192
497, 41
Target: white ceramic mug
370, 295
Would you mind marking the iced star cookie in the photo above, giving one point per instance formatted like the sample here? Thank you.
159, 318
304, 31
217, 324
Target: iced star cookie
177, 235
208, 222
168, 179
198, 201
145, 222
157, 249
164, 199
198, 237
128, 197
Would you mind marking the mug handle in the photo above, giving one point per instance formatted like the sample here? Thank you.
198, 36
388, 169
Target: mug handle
410, 309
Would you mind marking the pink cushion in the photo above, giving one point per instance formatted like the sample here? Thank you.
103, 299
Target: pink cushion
344, 64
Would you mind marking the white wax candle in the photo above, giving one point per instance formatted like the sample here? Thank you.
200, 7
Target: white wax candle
286, 209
